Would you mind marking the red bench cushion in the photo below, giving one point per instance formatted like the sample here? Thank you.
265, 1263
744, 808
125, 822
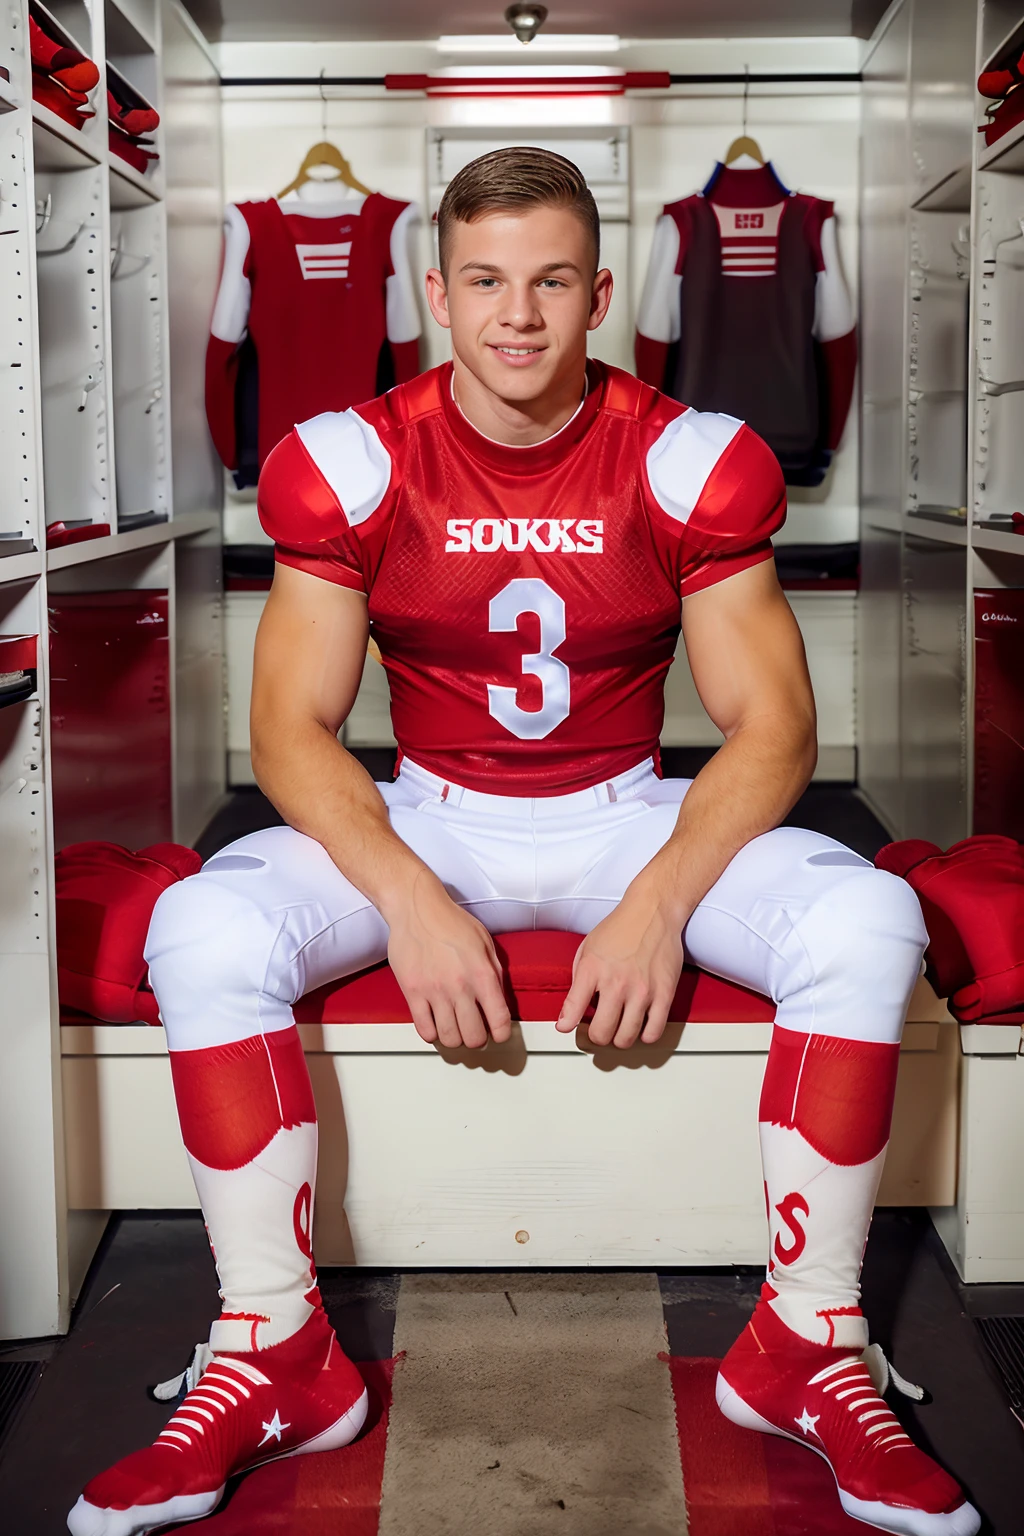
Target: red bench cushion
538, 968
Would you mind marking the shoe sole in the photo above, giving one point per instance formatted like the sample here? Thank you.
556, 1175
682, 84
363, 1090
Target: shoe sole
88, 1519
963, 1521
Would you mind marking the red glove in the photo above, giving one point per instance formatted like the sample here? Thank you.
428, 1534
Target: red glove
972, 898
133, 120
105, 897
68, 65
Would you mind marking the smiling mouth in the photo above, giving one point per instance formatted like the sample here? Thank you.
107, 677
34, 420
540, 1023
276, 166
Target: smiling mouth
515, 351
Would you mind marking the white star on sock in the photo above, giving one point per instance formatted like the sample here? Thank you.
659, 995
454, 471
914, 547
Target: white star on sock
275, 1428
806, 1421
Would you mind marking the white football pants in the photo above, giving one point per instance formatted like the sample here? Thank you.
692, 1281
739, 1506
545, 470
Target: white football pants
796, 916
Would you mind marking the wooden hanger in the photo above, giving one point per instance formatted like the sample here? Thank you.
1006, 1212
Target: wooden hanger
744, 145
325, 153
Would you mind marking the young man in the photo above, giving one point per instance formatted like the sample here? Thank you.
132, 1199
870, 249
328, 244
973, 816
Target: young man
524, 532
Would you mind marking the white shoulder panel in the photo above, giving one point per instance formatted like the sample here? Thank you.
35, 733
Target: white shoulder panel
658, 317
352, 459
231, 311
402, 310
681, 462
833, 308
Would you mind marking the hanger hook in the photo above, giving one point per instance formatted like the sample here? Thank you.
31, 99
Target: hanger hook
323, 105
746, 94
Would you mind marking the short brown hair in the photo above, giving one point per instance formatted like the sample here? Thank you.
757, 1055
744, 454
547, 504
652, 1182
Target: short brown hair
510, 181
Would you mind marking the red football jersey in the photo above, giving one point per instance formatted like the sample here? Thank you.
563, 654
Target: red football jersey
526, 601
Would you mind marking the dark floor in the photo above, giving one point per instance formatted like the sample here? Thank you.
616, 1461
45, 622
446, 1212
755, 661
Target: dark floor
834, 809
152, 1291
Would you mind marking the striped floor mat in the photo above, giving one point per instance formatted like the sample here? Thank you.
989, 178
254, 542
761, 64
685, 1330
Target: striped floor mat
519, 1405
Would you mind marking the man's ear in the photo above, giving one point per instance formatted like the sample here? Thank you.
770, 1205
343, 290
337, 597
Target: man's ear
600, 298
437, 298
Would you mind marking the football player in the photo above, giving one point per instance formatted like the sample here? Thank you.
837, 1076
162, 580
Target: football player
524, 533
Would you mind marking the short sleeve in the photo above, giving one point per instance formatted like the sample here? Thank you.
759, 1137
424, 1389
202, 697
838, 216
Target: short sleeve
721, 488
301, 513
318, 488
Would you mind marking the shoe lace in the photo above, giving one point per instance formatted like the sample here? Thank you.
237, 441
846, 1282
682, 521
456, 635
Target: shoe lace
223, 1385
858, 1381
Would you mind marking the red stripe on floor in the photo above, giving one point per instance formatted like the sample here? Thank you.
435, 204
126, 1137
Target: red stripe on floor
740, 1483
336, 1493
724, 1475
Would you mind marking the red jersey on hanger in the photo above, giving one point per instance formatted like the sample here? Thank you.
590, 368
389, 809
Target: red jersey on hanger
526, 601
745, 309
317, 288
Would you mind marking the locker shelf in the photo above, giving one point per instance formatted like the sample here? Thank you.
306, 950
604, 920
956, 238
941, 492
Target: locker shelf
80, 33
993, 538
942, 526
952, 194
20, 567
1006, 154
130, 27
1005, 45
138, 538
59, 147
128, 187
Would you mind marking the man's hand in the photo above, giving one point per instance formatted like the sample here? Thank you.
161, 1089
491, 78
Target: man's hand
633, 960
446, 964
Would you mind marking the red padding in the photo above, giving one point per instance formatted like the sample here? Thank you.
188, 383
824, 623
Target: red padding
539, 970
972, 897
105, 897
233, 1099
837, 1093
18, 652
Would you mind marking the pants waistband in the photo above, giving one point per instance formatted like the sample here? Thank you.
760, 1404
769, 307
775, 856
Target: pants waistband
622, 787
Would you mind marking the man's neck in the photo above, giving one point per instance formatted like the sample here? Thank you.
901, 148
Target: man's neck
517, 424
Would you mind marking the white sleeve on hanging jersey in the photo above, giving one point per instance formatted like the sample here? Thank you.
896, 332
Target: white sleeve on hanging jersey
234, 296
833, 307
658, 315
402, 310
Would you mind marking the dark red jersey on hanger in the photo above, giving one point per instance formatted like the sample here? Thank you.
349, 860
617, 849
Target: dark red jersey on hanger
745, 310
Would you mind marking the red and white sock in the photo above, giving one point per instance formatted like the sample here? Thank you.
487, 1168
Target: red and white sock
248, 1121
826, 1108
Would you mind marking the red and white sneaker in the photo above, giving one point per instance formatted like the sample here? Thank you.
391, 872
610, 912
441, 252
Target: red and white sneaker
298, 1396
781, 1384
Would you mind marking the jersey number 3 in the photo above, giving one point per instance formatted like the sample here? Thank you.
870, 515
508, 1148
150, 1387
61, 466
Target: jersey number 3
528, 594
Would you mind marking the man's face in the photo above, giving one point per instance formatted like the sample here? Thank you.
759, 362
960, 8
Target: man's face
520, 297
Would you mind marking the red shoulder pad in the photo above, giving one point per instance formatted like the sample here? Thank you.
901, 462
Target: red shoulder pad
296, 506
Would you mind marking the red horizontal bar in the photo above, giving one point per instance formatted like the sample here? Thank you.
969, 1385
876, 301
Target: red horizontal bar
628, 80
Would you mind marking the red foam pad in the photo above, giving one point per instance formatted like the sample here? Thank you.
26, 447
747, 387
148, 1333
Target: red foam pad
972, 898
538, 966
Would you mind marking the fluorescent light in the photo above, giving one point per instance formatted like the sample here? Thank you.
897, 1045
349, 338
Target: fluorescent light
545, 42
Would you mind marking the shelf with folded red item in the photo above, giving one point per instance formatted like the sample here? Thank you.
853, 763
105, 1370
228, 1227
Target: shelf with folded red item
58, 51
1008, 48
972, 898
63, 75
130, 119
17, 668
59, 534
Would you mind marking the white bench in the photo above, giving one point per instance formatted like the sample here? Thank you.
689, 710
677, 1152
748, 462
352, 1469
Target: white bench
540, 1153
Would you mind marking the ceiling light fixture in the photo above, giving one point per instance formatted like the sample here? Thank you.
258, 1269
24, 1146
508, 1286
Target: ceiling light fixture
483, 43
526, 20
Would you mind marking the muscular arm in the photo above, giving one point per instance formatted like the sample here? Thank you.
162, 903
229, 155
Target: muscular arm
747, 659
307, 667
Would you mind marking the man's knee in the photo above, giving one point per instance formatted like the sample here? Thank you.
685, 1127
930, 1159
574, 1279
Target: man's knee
862, 940
208, 939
